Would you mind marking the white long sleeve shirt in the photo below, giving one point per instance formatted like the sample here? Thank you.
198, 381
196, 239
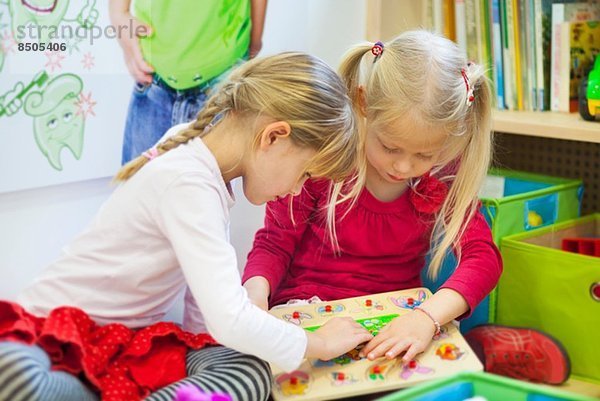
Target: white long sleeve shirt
165, 228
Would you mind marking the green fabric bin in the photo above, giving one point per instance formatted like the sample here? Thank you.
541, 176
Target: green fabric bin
493, 388
555, 291
553, 199
507, 199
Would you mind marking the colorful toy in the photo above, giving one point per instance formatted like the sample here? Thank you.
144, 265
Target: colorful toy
589, 94
584, 246
192, 393
534, 219
349, 374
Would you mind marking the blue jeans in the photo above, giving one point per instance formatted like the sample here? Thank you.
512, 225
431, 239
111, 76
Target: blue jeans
155, 108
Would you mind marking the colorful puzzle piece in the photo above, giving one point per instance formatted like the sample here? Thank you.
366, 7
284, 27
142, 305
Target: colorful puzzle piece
328, 309
295, 383
409, 302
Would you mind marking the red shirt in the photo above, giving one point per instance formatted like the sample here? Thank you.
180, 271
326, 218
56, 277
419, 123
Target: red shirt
383, 247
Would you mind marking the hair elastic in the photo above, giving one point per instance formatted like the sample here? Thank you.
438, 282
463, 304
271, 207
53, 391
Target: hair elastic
150, 154
470, 95
377, 49
218, 117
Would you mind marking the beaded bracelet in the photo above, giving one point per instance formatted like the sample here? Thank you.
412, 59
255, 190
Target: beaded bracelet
438, 327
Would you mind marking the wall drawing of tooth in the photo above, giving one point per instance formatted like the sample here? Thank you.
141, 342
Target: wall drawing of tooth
57, 124
42, 13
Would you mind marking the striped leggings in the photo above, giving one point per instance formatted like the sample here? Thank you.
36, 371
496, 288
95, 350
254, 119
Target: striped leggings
25, 375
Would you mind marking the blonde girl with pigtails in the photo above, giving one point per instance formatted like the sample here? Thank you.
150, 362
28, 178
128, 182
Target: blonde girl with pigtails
424, 117
90, 325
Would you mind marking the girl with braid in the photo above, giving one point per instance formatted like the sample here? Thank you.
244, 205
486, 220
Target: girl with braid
90, 326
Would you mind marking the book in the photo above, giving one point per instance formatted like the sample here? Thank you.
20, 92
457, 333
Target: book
561, 13
460, 22
471, 15
510, 64
448, 16
528, 45
438, 17
497, 66
579, 55
485, 34
514, 27
543, 39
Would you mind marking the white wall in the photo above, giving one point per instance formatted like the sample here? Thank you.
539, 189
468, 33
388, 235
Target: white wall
35, 224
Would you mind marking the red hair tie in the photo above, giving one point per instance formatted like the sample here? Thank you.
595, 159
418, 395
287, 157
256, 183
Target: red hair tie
377, 49
470, 95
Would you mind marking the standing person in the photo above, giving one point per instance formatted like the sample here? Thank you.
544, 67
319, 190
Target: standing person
95, 312
177, 52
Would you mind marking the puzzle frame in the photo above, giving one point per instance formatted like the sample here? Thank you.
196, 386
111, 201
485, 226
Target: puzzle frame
349, 375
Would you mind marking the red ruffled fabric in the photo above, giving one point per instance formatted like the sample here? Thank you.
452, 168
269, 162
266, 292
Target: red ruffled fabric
121, 363
429, 194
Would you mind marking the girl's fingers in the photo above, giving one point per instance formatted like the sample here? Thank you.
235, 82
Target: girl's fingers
371, 345
385, 346
397, 349
363, 337
412, 352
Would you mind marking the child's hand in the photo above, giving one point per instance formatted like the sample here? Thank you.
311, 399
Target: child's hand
336, 337
258, 291
411, 333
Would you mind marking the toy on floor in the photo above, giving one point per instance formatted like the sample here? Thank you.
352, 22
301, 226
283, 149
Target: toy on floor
349, 375
584, 246
192, 393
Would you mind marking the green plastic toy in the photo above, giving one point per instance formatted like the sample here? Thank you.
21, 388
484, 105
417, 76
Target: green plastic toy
589, 94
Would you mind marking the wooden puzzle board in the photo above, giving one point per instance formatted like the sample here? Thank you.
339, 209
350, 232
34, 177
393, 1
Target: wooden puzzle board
349, 375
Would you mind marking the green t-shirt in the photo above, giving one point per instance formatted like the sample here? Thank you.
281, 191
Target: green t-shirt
194, 41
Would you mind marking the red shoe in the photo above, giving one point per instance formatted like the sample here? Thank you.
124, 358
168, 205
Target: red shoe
521, 353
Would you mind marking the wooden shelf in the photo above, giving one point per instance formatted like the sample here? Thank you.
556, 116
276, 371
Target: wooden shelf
568, 126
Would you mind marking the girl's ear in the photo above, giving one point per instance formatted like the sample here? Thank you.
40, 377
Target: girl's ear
274, 132
362, 100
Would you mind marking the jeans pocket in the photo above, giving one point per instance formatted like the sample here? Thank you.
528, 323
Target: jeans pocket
140, 89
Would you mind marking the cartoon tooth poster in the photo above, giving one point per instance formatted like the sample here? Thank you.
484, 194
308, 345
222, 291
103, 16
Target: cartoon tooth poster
64, 93
57, 123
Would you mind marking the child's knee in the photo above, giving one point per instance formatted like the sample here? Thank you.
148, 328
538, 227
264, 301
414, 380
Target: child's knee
250, 376
22, 371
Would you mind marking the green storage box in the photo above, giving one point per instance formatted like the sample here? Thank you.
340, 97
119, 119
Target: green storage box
493, 388
555, 291
514, 202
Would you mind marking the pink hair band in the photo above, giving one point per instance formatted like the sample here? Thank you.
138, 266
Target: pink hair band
150, 154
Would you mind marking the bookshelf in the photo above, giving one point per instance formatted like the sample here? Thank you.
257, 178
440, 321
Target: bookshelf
567, 126
552, 143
